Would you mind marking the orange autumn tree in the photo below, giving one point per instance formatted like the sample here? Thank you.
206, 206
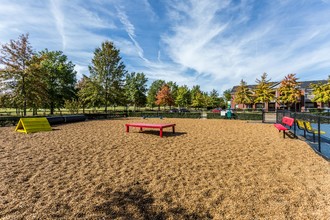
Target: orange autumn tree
164, 96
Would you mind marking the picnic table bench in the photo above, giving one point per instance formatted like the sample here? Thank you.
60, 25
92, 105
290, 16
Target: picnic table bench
286, 121
158, 126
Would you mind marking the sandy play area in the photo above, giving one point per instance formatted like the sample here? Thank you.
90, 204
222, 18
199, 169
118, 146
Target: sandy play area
208, 169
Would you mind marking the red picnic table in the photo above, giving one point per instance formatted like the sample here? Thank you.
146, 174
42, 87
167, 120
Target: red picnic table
158, 126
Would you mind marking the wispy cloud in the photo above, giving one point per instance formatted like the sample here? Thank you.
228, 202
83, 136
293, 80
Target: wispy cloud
211, 43
130, 31
59, 19
274, 41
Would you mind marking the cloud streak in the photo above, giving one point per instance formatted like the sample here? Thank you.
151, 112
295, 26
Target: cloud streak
59, 20
211, 43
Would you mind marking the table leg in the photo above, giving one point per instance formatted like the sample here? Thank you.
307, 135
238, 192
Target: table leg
127, 128
161, 132
173, 129
140, 129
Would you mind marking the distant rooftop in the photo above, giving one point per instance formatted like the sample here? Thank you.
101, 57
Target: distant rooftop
303, 84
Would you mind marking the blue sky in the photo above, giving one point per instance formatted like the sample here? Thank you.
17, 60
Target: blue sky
212, 43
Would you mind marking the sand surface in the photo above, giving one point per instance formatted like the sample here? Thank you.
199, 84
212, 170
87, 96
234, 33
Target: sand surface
208, 169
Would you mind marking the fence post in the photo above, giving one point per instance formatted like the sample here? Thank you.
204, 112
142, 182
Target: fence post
263, 115
276, 115
294, 125
319, 132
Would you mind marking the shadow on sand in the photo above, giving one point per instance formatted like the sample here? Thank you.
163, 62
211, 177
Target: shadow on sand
165, 133
136, 203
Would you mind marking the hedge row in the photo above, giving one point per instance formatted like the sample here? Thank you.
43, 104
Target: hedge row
248, 116
9, 121
164, 115
215, 116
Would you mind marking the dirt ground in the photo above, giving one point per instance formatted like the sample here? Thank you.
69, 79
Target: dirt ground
208, 169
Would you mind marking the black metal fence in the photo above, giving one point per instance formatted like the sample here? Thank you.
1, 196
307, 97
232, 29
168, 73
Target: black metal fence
318, 138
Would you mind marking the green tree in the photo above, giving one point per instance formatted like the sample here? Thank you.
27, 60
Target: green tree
59, 77
5, 100
164, 96
222, 103
289, 90
206, 100
88, 93
321, 92
243, 94
214, 98
227, 95
152, 92
15, 57
36, 86
174, 89
135, 89
108, 70
264, 92
183, 98
72, 105
196, 97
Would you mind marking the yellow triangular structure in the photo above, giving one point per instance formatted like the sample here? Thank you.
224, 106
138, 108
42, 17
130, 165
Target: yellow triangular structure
29, 125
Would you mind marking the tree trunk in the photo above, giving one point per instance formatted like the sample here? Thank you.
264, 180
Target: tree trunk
52, 108
24, 95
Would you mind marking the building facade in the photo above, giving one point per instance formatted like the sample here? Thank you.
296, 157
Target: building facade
305, 102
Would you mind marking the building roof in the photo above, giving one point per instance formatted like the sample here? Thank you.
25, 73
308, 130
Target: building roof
303, 84
307, 84
233, 90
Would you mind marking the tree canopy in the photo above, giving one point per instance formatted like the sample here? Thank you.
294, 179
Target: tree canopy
47, 79
135, 89
153, 90
59, 77
289, 90
243, 94
164, 96
108, 70
263, 92
16, 56
321, 92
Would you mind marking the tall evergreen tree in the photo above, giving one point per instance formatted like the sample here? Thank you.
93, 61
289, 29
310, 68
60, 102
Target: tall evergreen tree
243, 94
108, 70
263, 92
289, 90
15, 57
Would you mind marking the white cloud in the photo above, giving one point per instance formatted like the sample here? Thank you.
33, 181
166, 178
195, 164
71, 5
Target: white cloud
59, 20
211, 43
223, 50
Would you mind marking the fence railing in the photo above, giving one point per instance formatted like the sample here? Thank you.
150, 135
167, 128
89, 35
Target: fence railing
319, 139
